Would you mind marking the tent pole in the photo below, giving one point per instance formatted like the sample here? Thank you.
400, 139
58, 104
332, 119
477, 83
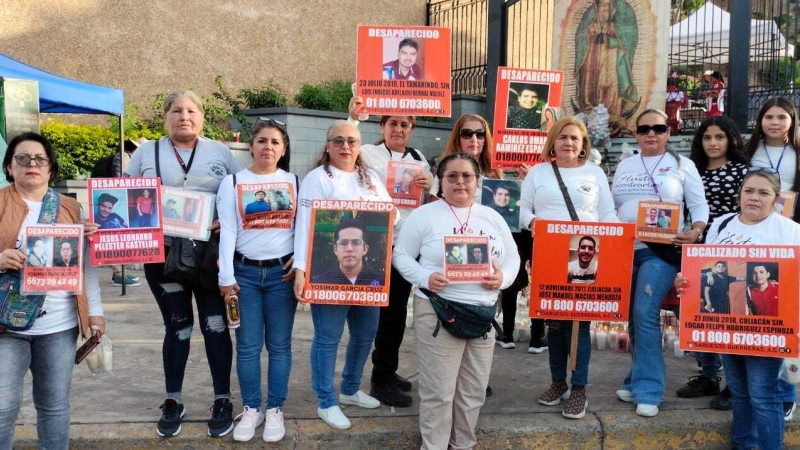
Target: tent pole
739, 61
121, 161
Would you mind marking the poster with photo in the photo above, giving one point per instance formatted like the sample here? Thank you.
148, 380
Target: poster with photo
404, 70
581, 270
266, 205
349, 252
786, 202
740, 299
400, 183
187, 213
129, 214
503, 197
54, 259
525, 100
466, 258
658, 221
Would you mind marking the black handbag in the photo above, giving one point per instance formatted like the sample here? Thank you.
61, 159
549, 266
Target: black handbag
667, 252
191, 261
462, 320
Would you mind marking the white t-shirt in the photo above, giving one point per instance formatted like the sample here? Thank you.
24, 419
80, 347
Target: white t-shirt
339, 186
423, 236
587, 186
59, 310
774, 230
580, 275
253, 244
771, 157
632, 184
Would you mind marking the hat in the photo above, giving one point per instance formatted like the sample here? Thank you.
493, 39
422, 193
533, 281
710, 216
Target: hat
107, 198
707, 72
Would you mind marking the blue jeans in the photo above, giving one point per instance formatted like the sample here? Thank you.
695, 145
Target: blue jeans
559, 338
362, 323
757, 406
50, 358
710, 364
651, 281
267, 307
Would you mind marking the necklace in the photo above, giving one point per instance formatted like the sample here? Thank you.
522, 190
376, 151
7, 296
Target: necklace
651, 172
464, 226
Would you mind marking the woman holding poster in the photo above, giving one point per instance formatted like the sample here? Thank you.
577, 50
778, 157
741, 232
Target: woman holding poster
386, 384
753, 380
184, 159
47, 348
569, 147
340, 174
454, 372
658, 174
255, 264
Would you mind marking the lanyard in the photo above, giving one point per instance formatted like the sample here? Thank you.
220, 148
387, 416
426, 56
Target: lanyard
766, 150
650, 175
465, 224
391, 152
186, 168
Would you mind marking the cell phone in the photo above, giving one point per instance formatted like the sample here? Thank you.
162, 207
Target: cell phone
87, 348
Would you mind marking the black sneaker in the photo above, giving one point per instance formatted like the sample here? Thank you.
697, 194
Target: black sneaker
699, 386
722, 402
401, 383
221, 422
788, 410
170, 423
390, 395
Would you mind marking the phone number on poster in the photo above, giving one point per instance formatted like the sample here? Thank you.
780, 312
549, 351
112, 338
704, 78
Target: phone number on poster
51, 282
343, 296
420, 103
580, 305
109, 254
724, 337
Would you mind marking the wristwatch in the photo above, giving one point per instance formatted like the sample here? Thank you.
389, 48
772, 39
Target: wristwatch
699, 233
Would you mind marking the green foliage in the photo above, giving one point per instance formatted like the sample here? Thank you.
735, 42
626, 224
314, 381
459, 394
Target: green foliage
433, 119
778, 74
268, 96
331, 95
78, 146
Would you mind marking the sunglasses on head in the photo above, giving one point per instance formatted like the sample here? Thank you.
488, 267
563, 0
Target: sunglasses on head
466, 133
657, 128
765, 170
270, 121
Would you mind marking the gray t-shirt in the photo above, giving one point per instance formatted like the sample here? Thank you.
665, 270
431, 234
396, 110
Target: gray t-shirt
212, 162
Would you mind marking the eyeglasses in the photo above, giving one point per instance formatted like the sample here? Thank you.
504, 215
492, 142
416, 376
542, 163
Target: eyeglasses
25, 160
339, 141
270, 121
659, 128
349, 242
765, 170
453, 177
466, 133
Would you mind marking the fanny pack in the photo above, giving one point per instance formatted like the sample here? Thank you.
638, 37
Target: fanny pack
462, 320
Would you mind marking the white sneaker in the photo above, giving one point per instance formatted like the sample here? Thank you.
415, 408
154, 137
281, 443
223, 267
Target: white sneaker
334, 417
625, 395
645, 410
246, 428
273, 428
359, 399
536, 350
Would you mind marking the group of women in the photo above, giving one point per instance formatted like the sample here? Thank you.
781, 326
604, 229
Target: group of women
266, 269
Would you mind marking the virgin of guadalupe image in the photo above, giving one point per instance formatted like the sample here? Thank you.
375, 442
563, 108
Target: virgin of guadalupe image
605, 43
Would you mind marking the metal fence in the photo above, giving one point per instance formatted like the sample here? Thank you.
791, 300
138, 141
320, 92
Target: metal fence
468, 20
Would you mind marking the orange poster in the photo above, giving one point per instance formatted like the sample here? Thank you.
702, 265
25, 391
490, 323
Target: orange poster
400, 183
524, 99
349, 252
404, 70
266, 205
466, 258
55, 259
187, 213
581, 270
658, 221
785, 206
740, 299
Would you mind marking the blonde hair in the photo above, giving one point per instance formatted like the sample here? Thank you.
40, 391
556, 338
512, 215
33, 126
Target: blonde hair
484, 159
558, 127
324, 158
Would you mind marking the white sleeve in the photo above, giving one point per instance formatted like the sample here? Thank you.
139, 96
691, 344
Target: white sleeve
92, 287
406, 250
605, 204
713, 231
510, 266
310, 188
526, 201
694, 193
229, 230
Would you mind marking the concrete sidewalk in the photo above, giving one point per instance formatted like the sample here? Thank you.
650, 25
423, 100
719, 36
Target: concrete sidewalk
119, 410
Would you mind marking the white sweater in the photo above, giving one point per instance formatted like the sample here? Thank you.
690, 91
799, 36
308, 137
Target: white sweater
423, 236
318, 185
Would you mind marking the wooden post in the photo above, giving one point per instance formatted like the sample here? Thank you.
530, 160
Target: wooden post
573, 345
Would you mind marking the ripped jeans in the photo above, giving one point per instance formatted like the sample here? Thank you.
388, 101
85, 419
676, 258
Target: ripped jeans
175, 302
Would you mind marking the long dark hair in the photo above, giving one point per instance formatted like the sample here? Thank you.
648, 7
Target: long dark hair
283, 162
758, 135
440, 168
735, 143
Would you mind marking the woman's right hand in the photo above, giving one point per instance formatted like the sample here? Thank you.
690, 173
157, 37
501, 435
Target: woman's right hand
227, 291
356, 104
299, 285
680, 283
11, 259
437, 282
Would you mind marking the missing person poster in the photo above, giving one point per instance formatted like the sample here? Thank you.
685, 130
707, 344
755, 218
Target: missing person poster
187, 213
740, 299
525, 101
658, 221
128, 211
404, 70
266, 205
466, 258
54, 259
349, 252
400, 183
503, 197
581, 270
786, 202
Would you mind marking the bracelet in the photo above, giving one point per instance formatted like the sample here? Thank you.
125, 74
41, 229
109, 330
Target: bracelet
699, 233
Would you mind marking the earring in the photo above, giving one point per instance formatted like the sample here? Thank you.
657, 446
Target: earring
582, 153
553, 151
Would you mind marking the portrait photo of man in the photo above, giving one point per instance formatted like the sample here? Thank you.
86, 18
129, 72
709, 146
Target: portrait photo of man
716, 289
477, 254
664, 218
526, 104
350, 248
405, 67
455, 255
651, 219
502, 197
762, 292
106, 217
38, 254
259, 205
169, 210
66, 255
283, 201
584, 269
